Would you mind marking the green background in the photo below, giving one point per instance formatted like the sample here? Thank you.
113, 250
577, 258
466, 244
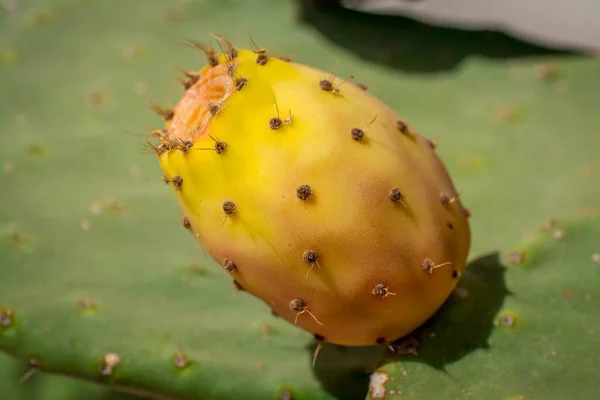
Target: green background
83, 214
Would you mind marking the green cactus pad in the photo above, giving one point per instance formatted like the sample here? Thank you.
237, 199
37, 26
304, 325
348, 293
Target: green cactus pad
20, 382
93, 259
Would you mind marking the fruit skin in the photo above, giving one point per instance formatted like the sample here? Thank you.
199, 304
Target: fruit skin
269, 128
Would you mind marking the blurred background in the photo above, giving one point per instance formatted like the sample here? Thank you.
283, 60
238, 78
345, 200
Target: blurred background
553, 23
509, 90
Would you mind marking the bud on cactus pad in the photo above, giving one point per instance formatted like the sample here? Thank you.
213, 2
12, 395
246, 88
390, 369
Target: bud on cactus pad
314, 196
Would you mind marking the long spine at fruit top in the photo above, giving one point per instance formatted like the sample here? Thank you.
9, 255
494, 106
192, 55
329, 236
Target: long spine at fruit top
313, 195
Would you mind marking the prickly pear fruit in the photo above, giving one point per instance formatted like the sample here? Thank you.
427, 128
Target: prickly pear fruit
315, 196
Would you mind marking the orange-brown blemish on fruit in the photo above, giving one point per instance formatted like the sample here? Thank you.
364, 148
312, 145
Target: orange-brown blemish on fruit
196, 107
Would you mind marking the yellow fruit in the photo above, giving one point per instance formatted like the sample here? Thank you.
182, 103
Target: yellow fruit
315, 196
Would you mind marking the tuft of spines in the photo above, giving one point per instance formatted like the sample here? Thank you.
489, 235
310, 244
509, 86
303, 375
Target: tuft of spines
429, 266
326, 85
396, 196
446, 200
401, 126
357, 134
381, 290
229, 266
261, 54
192, 78
311, 257
219, 147
240, 83
214, 108
183, 145
300, 307
304, 192
275, 123
230, 50
211, 54
177, 181
229, 207
166, 113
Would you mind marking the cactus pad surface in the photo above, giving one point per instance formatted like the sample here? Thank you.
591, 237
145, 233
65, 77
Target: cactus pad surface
94, 261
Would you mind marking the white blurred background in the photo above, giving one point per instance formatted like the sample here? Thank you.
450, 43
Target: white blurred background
565, 23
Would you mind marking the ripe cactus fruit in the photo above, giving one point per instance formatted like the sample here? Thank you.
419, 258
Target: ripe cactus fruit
315, 196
